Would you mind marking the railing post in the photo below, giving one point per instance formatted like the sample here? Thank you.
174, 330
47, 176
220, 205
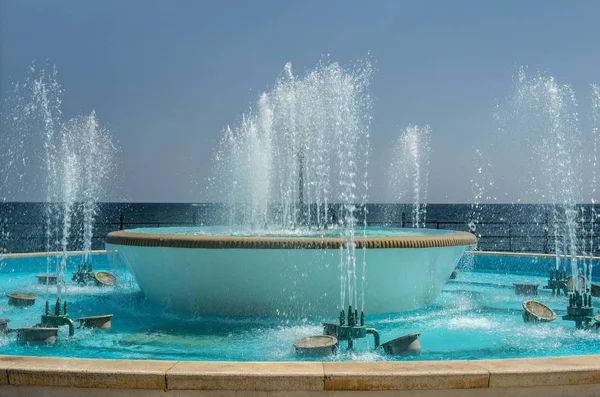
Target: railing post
194, 219
121, 218
510, 237
403, 219
44, 232
546, 237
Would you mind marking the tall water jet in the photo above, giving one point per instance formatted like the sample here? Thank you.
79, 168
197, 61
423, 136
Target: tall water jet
409, 170
68, 188
547, 112
42, 95
86, 153
278, 162
95, 152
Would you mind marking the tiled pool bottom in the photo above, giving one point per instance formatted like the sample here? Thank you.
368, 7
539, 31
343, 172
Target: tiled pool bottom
476, 317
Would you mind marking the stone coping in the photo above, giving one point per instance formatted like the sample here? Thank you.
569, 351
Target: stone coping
123, 237
299, 376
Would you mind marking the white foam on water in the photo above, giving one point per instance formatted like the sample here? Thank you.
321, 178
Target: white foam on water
468, 323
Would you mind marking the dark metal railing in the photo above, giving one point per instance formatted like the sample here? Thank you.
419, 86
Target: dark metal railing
506, 236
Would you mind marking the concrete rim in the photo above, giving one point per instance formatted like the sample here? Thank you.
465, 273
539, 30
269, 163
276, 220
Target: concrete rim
124, 237
529, 373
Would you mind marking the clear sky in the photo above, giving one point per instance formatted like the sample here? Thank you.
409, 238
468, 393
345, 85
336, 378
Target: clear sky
166, 76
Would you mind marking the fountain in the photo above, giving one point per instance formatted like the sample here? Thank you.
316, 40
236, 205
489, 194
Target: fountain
294, 177
77, 162
297, 226
551, 109
541, 118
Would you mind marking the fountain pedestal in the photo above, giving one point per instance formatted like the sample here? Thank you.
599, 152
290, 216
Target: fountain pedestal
352, 330
57, 320
580, 309
84, 274
557, 282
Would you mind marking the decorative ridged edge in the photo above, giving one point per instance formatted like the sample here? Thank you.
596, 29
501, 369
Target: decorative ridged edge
223, 242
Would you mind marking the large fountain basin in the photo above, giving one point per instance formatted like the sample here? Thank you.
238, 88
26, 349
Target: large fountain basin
286, 276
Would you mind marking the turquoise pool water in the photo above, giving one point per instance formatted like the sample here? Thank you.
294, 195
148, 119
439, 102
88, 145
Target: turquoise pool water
477, 316
275, 232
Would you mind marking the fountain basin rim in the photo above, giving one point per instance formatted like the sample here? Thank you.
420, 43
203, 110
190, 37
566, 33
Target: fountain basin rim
124, 237
323, 377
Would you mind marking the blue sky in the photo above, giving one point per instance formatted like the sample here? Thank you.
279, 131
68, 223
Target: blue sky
166, 76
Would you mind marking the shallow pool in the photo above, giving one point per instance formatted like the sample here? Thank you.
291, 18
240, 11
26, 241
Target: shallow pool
331, 232
477, 316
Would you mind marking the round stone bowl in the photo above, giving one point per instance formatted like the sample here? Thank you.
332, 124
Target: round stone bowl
37, 335
534, 311
21, 299
101, 322
316, 346
49, 279
407, 345
197, 270
104, 279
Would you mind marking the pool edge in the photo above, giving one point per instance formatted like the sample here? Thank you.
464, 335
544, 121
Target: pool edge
550, 375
